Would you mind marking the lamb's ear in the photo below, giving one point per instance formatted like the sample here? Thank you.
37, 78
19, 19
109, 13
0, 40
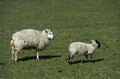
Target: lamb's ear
92, 41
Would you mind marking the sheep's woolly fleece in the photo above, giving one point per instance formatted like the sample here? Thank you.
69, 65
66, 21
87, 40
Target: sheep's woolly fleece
82, 48
30, 39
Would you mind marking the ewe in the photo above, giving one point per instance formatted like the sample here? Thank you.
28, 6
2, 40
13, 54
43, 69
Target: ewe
30, 39
82, 48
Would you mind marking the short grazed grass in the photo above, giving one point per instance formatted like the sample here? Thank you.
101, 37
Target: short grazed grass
70, 20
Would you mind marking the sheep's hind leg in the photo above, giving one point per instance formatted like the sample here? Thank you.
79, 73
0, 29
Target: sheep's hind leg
15, 53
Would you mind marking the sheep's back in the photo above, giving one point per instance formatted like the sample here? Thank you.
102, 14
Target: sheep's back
26, 35
79, 47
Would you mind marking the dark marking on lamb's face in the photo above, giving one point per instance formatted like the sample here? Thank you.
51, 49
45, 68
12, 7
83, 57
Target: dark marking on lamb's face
99, 45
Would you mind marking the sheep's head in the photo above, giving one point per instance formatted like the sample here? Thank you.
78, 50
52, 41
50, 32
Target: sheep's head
96, 43
49, 34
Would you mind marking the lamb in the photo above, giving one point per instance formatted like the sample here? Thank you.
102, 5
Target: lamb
82, 48
30, 39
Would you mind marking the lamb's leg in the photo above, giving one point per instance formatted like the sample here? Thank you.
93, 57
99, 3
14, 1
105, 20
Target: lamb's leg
70, 59
85, 57
37, 55
92, 58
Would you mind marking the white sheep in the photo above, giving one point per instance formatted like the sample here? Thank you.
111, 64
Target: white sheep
30, 39
82, 48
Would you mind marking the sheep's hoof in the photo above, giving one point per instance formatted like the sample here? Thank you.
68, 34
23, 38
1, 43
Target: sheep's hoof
38, 59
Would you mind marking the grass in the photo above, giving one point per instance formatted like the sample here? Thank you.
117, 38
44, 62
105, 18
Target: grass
70, 20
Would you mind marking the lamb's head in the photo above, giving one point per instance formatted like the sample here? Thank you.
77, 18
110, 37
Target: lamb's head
95, 43
49, 34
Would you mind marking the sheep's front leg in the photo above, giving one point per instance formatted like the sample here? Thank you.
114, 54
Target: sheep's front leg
85, 57
37, 55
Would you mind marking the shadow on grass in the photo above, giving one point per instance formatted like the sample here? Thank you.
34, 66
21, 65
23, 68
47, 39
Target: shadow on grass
2, 64
86, 61
41, 57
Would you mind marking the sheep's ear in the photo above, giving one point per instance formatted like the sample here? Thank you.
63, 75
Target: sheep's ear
45, 31
92, 41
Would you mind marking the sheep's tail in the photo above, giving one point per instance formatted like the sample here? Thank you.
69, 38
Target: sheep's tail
12, 44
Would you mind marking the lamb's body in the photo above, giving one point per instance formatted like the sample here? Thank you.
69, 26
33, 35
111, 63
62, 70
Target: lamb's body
82, 48
30, 39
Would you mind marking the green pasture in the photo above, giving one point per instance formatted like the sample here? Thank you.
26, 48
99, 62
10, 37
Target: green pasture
70, 20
